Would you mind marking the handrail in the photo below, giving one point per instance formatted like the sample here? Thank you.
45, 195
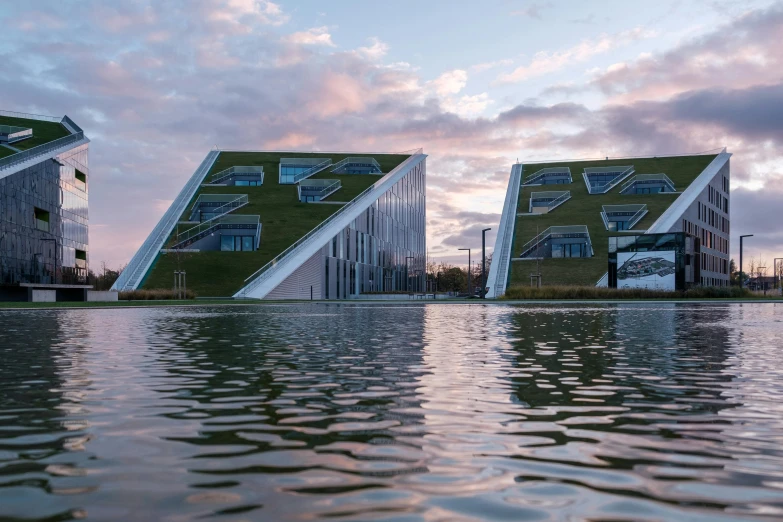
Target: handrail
568, 229
44, 148
550, 171
315, 190
312, 170
609, 185
638, 213
355, 159
30, 116
140, 262
637, 217
565, 196
234, 171
647, 178
220, 223
220, 211
506, 232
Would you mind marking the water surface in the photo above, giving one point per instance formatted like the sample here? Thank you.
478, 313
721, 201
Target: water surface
405, 413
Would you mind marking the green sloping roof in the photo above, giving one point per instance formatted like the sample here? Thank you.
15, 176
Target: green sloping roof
43, 131
283, 218
585, 209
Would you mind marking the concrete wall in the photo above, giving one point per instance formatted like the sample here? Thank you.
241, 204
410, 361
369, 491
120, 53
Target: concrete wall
43, 296
95, 296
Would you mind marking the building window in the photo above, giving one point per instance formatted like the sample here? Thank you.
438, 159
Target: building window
236, 243
41, 219
81, 259
81, 180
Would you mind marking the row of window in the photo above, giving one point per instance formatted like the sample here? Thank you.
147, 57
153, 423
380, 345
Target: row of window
718, 199
712, 218
713, 281
714, 263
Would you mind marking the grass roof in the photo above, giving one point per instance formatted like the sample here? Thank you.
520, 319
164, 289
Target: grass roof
585, 209
43, 131
283, 218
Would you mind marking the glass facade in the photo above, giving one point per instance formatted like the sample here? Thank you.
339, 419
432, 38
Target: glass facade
686, 266
44, 221
384, 249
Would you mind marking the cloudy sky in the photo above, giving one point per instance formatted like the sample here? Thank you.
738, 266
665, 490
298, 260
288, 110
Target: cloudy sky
477, 85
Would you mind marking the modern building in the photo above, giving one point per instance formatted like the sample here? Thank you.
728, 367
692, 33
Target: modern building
44, 180
291, 225
660, 222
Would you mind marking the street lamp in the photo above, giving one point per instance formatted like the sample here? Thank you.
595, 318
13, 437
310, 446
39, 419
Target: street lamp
484, 262
742, 283
468, 267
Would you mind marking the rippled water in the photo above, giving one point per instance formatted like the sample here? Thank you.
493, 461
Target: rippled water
428, 412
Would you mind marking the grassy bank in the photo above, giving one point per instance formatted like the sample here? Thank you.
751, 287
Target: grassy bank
592, 292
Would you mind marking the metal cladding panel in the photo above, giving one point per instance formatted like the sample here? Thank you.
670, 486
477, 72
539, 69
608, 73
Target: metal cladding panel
303, 250
298, 284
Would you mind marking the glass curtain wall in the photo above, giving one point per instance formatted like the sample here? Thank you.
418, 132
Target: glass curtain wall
55, 190
384, 249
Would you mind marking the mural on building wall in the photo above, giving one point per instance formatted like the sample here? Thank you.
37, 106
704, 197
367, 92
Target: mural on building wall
654, 270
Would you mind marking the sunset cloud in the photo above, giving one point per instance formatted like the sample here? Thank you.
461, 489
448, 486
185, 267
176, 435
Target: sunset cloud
156, 96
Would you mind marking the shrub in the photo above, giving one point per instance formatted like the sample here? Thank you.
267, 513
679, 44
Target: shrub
598, 293
157, 294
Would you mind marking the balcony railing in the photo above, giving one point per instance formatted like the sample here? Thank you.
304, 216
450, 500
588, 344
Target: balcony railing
223, 175
555, 172
647, 179
222, 204
555, 232
363, 162
636, 213
603, 186
319, 188
21, 157
553, 198
226, 222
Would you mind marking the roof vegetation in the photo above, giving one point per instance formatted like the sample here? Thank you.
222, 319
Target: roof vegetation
43, 131
284, 220
585, 209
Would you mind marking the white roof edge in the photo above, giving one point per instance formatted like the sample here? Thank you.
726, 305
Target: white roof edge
671, 215
4, 173
505, 233
294, 260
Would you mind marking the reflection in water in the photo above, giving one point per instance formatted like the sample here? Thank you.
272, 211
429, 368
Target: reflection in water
426, 412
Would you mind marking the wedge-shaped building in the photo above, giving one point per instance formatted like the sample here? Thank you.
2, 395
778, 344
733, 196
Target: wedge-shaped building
291, 225
44, 179
655, 222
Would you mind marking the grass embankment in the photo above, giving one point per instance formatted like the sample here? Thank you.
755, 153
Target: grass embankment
283, 218
163, 294
585, 209
43, 131
592, 292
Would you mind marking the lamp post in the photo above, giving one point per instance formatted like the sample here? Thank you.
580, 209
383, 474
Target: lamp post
776, 271
407, 275
484, 262
468, 268
742, 282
